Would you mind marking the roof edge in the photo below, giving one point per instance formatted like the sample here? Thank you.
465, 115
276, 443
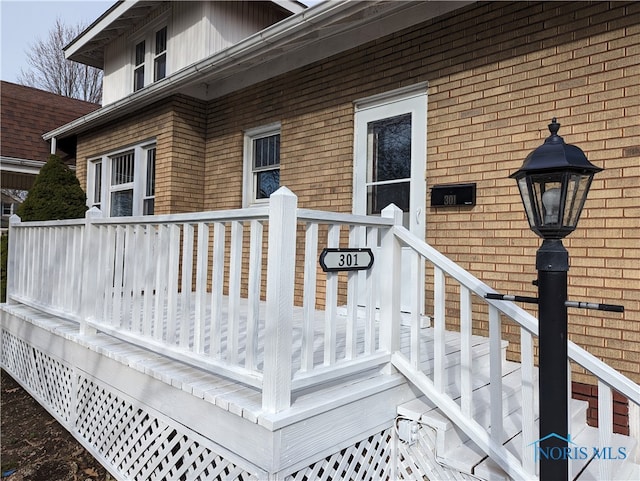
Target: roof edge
257, 46
108, 17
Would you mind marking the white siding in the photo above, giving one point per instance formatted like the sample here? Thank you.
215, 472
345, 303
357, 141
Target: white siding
233, 21
187, 35
117, 82
196, 30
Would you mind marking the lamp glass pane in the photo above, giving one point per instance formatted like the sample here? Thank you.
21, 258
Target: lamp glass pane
523, 185
577, 188
547, 197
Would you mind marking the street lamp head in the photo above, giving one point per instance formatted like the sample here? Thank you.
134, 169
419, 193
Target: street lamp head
554, 181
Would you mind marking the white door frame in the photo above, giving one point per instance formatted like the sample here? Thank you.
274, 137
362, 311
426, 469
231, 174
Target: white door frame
412, 100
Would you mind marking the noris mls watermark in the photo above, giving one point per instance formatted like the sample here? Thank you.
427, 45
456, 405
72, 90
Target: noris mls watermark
575, 451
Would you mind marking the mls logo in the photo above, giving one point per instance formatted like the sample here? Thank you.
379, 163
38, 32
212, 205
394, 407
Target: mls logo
575, 451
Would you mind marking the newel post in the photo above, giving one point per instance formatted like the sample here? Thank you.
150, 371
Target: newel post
12, 258
281, 261
90, 270
390, 293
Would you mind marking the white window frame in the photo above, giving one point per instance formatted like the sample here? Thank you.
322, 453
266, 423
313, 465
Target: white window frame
249, 197
150, 54
139, 184
95, 182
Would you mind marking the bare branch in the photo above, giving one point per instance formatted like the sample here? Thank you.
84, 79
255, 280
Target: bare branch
50, 71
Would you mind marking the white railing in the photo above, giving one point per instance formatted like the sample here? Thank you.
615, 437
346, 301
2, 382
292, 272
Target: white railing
191, 286
45, 264
458, 407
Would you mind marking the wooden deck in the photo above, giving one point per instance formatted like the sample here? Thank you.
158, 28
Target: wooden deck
227, 413
319, 418
240, 398
189, 381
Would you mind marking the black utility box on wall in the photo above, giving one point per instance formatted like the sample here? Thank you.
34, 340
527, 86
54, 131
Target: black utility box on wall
450, 195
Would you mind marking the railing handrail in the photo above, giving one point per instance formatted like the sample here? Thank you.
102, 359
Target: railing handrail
605, 373
245, 214
19, 223
608, 378
390, 227
600, 369
475, 285
342, 218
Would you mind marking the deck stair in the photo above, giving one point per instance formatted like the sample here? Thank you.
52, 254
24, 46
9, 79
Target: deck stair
441, 449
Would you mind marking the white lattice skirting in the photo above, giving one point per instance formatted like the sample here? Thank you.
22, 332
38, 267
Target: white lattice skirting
136, 442
133, 441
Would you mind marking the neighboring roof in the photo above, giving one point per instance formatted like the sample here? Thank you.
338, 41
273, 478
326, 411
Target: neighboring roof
88, 47
324, 30
27, 113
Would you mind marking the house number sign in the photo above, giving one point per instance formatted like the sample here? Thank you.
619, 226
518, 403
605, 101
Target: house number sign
346, 259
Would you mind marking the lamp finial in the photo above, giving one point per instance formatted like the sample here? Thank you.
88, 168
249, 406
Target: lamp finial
554, 126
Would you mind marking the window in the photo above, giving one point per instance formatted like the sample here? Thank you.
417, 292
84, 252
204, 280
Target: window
389, 167
262, 163
122, 172
160, 60
7, 208
150, 58
148, 201
138, 72
123, 183
96, 178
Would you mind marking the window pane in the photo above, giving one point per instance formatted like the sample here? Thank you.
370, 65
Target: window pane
140, 53
97, 183
150, 188
138, 78
267, 182
160, 67
380, 196
266, 151
148, 206
389, 149
122, 203
122, 167
161, 40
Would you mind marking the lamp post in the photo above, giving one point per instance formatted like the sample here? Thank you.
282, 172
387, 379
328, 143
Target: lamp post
554, 181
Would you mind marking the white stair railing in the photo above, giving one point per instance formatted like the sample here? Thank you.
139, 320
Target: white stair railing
458, 408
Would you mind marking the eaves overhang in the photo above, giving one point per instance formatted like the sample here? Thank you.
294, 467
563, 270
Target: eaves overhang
88, 47
322, 31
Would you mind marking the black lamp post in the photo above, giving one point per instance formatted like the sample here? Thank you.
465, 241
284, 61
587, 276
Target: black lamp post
554, 181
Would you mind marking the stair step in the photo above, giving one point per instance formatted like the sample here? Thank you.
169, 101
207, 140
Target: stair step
449, 436
617, 469
479, 349
418, 407
453, 446
580, 433
451, 362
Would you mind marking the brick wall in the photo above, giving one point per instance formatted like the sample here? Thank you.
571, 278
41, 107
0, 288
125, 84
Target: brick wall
589, 393
497, 73
178, 126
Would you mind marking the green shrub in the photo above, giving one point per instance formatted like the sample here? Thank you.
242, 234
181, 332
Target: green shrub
56, 194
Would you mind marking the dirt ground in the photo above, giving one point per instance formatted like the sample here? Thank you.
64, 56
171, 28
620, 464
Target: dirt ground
35, 447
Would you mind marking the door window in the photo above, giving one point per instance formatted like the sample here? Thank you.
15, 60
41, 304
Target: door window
389, 163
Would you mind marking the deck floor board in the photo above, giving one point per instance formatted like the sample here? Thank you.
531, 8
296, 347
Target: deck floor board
237, 397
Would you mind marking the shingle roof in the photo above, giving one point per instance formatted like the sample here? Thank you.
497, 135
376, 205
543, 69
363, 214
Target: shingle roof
26, 113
